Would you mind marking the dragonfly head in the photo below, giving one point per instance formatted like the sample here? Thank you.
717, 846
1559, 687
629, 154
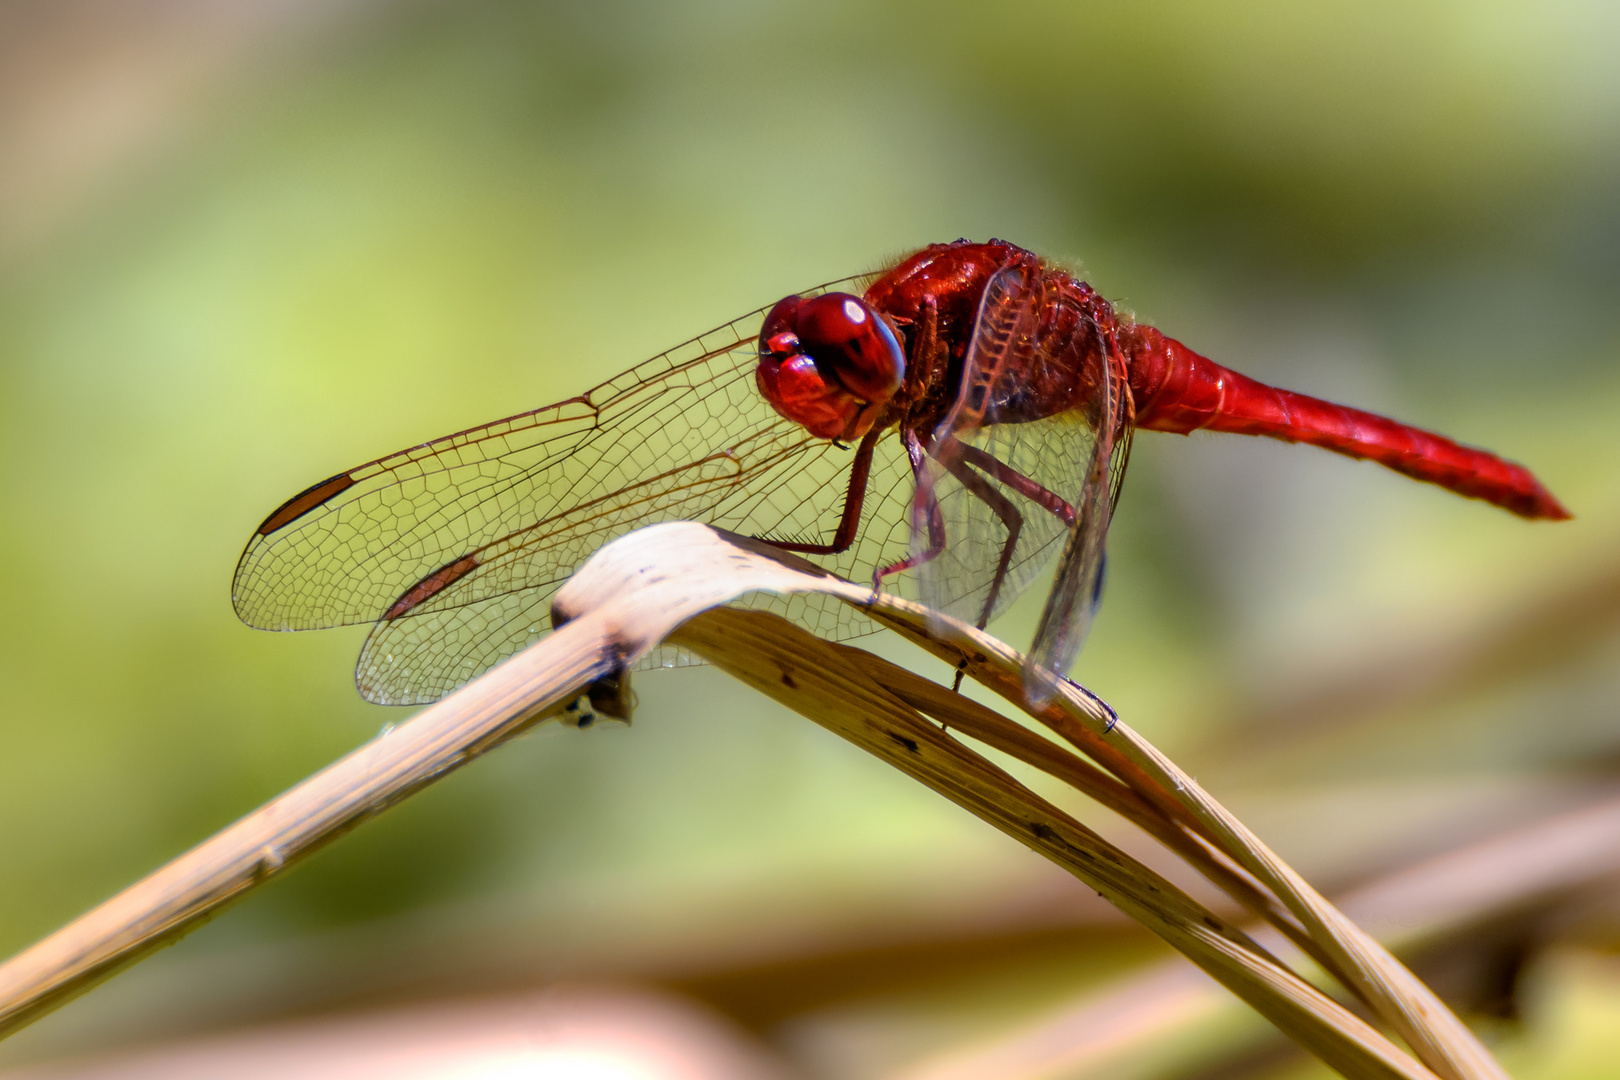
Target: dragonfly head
829, 363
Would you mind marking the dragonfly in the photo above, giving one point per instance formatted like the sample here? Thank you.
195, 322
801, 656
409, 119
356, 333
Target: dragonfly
946, 427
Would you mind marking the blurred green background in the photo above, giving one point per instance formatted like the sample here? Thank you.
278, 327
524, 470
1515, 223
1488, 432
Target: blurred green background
244, 246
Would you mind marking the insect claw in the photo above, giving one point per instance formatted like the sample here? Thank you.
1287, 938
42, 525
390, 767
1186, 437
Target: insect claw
877, 588
1113, 717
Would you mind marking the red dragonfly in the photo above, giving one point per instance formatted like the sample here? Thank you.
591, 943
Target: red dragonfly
947, 426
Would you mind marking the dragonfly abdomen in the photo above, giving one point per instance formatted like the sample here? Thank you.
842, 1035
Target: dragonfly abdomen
1177, 390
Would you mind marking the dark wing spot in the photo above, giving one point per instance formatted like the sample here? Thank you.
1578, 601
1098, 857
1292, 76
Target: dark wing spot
435, 583
305, 501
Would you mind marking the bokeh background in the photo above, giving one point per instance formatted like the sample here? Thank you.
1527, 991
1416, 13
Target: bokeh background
245, 245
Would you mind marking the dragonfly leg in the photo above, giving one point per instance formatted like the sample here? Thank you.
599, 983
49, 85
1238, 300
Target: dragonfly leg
950, 456
854, 499
954, 460
1029, 489
958, 459
927, 503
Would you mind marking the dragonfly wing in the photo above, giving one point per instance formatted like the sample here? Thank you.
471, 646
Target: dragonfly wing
960, 581
1000, 481
454, 547
1015, 482
393, 535
1118, 460
977, 516
421, 656
1077, 586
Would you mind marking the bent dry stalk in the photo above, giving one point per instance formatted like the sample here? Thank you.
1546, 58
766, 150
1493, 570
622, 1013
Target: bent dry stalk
669, 581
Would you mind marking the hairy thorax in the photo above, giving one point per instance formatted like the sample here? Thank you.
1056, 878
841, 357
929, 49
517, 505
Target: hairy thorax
933, 297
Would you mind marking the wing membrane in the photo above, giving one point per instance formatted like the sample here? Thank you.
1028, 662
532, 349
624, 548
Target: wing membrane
1077, 586
1012, 486
454, 547
1045, 452
990, 469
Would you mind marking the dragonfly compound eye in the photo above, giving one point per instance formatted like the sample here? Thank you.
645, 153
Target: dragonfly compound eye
828, 364
797, 391
853, 344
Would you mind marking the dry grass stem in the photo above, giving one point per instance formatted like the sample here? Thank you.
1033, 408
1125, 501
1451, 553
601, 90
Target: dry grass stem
162, 907
985, 725
667, 582
1361, 964
1527, 876
811, 677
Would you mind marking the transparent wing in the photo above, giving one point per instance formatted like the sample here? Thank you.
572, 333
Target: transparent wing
1120, 458
1000, 481
972, 577
1077, 587
1016, 478
962, 580
421, 657
455, 547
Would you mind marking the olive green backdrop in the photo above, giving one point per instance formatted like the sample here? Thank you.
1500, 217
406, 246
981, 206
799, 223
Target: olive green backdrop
295, 246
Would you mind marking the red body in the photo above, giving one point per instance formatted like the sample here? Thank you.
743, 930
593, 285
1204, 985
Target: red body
1010, 385
1171, 387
